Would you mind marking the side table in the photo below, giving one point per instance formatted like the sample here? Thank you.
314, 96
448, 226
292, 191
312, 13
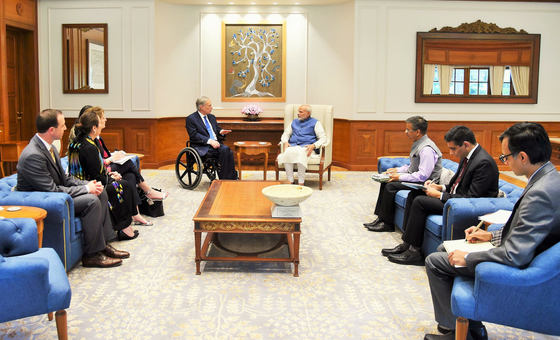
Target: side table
252, 148
37, 214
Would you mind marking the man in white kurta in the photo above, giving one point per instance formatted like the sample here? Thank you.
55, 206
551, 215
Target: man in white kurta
300, 140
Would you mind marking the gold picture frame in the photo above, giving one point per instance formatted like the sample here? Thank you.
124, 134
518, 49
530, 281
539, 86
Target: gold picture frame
254, 62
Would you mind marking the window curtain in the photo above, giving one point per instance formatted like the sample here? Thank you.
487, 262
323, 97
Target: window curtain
429, 74
520, 78
496, 80
445, 73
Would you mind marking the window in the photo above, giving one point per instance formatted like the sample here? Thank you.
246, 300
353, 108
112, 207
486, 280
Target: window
435, 88
457, 85
478, 82
507, 88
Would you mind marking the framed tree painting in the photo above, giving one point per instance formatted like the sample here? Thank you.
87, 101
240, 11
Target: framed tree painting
254, 62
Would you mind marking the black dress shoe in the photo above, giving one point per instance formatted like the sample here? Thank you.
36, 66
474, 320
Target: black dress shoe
373, 223
478, 333
401, 248
122, 236
114, 253
443, 330
410, 256
381, 226
448, 336
99, 260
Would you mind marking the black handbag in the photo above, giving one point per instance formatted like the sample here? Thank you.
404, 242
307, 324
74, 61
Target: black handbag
148, 206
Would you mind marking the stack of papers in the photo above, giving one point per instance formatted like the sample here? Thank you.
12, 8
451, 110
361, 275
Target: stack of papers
501, 216
381, 178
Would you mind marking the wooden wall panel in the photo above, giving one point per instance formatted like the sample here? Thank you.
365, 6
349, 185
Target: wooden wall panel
356, 144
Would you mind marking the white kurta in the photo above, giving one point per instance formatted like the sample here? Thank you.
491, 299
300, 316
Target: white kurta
298, 154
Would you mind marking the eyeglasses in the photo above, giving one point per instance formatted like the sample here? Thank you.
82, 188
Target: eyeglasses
504, 158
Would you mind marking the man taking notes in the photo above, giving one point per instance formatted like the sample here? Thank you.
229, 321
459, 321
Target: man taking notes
533, 226
425, 163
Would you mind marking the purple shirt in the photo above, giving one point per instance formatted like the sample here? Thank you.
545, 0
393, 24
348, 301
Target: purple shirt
428, 159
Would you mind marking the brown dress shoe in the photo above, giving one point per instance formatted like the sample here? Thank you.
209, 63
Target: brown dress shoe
100, 260
114, 253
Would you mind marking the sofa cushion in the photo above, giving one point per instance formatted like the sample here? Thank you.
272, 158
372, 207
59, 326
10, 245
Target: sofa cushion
400, 198
434, 224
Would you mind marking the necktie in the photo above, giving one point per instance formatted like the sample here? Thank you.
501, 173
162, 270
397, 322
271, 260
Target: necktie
52, 154
209, 129
458, 180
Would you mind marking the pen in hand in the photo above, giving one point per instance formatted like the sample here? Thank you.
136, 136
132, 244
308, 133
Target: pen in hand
475, 229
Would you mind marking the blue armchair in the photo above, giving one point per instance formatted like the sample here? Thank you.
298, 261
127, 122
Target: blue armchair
458, 213
32, 281
63, 230
521, 298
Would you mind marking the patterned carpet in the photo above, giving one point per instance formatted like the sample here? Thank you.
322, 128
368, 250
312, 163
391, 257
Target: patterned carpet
346, 289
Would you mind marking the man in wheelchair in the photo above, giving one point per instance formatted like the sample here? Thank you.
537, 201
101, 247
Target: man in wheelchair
206, 137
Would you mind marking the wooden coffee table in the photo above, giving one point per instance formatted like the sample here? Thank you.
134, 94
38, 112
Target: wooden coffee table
240, 207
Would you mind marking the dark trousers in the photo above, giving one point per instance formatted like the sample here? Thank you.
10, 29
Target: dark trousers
96, 222
415, 217
225, 159
385, 206
440, 276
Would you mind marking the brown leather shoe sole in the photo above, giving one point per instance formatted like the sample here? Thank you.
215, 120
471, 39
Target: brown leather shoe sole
101, 261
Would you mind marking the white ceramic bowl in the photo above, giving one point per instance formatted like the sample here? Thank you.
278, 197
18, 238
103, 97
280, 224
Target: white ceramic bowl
287, 194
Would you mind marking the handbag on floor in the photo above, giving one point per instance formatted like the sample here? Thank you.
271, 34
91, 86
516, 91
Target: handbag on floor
148, 206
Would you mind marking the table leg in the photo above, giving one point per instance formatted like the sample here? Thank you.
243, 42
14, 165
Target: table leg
296, 254
265, 163
40, 227
197, 236
239, 164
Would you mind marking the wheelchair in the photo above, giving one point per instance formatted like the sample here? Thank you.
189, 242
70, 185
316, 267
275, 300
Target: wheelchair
189, 167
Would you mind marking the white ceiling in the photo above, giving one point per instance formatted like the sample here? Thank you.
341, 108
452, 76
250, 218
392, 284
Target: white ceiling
258, 2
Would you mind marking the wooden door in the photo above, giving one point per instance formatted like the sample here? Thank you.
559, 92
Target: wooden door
20, 84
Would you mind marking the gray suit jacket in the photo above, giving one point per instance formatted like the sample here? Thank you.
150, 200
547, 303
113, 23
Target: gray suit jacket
38, 172
535, 223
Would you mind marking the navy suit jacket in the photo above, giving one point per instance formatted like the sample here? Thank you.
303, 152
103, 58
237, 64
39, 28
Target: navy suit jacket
198, 134
479, 180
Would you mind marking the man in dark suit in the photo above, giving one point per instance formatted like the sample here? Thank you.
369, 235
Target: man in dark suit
477, 176
206, 137
533, 226
39, 169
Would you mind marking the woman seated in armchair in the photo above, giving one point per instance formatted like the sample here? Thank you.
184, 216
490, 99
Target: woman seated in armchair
128, 169
85, 162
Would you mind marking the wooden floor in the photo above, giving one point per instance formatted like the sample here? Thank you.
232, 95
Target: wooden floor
248, 167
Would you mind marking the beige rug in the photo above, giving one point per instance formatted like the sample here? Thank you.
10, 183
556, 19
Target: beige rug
346, 289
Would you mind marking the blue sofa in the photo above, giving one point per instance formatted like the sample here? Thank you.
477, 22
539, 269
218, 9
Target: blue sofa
63, 230
458, 213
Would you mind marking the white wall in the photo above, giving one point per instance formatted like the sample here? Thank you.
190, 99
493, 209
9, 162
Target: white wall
358, 56
385, 57
130, 51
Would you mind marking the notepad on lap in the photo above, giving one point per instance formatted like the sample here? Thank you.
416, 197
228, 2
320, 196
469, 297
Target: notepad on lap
463, 245
414, 186
124, 159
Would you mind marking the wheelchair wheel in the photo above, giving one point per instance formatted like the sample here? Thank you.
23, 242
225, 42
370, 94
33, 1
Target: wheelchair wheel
188, 168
